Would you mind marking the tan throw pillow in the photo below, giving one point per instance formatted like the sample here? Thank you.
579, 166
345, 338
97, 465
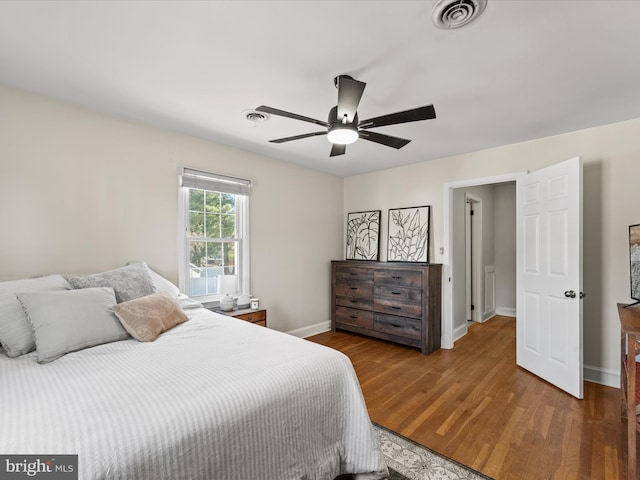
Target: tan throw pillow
145, 318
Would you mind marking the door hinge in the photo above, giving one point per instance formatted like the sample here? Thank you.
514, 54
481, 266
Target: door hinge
473, 307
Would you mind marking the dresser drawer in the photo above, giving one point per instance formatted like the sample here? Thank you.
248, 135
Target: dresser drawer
259, 317
349, 274
352, 316
410, 328
393, 307
406, 302
402, 278
354, 294
400, 294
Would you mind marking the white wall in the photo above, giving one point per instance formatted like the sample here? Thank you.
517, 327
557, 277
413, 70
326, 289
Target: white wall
84, 192
611, 157
504, 221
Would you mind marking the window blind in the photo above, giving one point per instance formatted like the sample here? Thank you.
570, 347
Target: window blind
192, 178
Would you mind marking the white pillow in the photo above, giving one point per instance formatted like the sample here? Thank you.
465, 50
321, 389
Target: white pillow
16, 335
71, 320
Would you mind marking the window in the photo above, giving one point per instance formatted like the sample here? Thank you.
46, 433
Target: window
214, 259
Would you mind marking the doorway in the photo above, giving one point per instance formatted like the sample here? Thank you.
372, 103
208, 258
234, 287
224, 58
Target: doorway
454, 240
548, 266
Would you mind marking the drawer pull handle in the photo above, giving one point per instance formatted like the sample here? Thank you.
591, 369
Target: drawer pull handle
353, 288
352, 273
353, 301
396, 293
396, 277
396, 308
353, 316
391, 324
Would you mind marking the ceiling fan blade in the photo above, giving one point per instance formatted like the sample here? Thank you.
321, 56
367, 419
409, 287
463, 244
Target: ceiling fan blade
413, 115
388, 140
295, 116
297, 137
349, 95
338, 149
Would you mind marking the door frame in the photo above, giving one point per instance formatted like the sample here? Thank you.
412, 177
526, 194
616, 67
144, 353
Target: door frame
447, 290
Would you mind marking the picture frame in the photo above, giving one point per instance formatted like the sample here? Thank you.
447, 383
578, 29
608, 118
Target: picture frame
363, 235
408, 234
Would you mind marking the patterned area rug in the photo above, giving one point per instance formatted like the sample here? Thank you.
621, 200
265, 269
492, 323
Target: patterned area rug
408, 460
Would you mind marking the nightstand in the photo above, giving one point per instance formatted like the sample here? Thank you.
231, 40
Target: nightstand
257, 317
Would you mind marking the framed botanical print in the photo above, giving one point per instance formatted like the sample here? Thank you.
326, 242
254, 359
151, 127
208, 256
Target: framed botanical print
408, 239
363, 235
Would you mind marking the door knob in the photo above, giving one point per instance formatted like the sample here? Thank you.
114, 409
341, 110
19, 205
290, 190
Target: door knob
570, 294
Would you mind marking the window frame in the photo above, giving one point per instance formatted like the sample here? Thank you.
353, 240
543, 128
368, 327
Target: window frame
190, 178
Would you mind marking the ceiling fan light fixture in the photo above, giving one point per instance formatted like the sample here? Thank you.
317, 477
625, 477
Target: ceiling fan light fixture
343, 127
343, 134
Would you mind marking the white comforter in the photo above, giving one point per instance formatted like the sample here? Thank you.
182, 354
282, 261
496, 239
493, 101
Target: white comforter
214, 398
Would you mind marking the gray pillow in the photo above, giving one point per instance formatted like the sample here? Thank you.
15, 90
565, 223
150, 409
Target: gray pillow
71, 320
16, 335
161, 283
128, 282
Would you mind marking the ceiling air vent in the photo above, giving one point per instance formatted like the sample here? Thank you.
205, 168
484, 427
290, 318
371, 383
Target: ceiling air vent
255, 116
448, 14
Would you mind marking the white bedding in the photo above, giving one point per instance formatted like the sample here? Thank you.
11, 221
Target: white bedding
213, 398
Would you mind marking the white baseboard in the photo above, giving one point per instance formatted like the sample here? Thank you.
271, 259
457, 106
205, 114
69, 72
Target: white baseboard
610, 378
311, 330
459, 332
507, 312
446, 343
488, 316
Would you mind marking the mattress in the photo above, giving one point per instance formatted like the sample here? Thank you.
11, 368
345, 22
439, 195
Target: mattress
213, 398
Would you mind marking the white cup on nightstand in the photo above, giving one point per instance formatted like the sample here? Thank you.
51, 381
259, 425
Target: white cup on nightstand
255, 303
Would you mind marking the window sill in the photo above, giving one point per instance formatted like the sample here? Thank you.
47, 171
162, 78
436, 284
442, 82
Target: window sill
209, 301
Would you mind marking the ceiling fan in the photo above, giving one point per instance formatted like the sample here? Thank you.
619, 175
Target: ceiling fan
343, 127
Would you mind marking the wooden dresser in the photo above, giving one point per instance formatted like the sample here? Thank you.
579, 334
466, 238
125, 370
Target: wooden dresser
629, 349
398, 302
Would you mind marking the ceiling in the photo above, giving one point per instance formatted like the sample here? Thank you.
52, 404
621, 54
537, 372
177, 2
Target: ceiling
522, 70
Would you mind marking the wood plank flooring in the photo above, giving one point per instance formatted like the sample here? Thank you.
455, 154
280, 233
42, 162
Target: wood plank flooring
474, 405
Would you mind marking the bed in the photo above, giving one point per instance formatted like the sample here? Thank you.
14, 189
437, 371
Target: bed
211, 398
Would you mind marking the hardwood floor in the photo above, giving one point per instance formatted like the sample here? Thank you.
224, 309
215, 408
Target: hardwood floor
474, 405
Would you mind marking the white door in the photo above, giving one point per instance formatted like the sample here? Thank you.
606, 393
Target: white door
549, 274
